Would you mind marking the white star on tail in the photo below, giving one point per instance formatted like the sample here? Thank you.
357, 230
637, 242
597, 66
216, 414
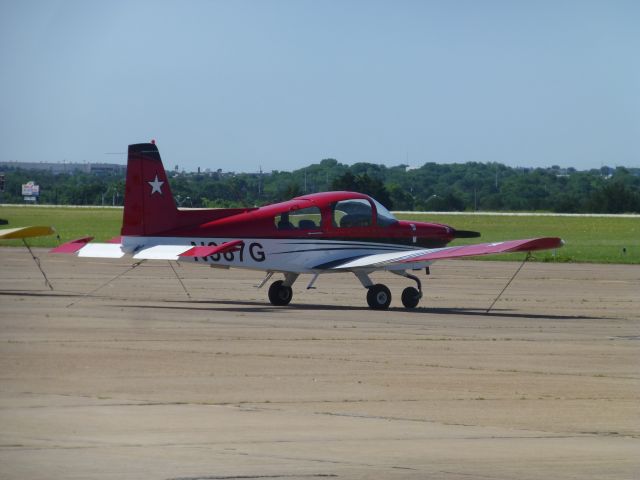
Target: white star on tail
156, 185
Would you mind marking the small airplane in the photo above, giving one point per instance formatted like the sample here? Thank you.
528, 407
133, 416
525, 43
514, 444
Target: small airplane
320, 233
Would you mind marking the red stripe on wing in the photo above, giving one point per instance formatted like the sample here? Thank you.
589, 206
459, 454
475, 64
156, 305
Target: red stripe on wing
232, 246
73, 246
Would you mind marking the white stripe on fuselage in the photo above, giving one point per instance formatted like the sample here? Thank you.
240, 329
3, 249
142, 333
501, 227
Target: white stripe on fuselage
288, 255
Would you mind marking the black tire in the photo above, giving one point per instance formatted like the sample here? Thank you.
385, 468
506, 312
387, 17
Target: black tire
279, 294
410, 297
379, 297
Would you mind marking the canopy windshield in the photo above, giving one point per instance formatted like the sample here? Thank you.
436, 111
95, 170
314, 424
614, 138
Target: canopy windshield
384, 217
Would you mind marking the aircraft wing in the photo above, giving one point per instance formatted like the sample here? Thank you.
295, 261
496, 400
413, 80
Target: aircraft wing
419, 258
26, 232
113, 249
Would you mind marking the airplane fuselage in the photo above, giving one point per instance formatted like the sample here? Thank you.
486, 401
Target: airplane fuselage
278, 255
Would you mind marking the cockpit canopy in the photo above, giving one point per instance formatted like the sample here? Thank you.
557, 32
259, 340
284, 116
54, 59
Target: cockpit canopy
359, 212
339, 211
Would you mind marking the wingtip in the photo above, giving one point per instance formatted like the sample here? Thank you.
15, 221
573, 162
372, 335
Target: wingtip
26, 232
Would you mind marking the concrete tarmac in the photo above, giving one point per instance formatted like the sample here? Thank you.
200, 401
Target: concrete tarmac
140, 381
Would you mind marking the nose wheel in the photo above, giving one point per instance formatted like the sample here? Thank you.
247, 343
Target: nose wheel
411, 297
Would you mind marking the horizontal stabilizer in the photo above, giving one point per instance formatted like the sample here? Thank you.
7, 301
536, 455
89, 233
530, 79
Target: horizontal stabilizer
26, 232
101, 250
161, 252
73, 246
232, 246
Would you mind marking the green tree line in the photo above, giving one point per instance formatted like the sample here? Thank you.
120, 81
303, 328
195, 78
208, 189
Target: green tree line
436, 187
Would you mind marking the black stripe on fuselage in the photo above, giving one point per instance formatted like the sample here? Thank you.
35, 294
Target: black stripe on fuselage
407, 243
368, 245
326, 249
335, 263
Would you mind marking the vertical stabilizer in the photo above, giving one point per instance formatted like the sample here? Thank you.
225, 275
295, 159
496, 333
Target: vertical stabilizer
149, 207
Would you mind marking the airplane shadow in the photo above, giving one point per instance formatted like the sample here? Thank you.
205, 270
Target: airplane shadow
497, 312
39, 293
248, 306
240, 307
253, 306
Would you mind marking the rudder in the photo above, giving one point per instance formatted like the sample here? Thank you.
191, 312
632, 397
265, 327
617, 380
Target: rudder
149, 207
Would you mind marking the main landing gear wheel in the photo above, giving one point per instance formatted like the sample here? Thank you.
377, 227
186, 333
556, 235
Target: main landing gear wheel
378, 297
279, 294
410, 297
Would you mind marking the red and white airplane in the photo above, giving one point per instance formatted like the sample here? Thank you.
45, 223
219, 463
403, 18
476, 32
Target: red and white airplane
314, 234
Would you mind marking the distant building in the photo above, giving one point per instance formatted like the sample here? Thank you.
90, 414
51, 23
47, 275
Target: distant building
107, 168
57, 167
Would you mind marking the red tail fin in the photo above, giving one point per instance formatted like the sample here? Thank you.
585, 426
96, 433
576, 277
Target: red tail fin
149, 207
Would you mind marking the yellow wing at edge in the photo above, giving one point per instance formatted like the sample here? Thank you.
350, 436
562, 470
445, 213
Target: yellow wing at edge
26, 232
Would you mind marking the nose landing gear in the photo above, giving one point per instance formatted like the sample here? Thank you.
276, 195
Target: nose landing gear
410, 296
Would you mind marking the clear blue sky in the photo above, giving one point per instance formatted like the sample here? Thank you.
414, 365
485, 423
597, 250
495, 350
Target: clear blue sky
282, 84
